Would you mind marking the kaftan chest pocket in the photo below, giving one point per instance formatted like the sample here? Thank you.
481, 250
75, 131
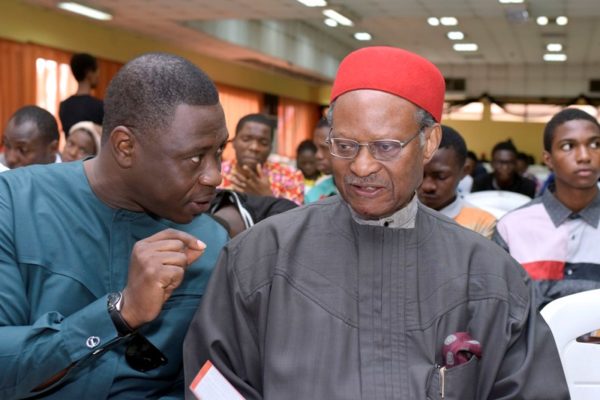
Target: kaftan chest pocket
456, 383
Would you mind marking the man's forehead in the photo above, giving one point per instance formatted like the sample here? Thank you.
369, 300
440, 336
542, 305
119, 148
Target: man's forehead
26, 131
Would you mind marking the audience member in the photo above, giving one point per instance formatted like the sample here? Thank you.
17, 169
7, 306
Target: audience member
100, 259
240, 211
31, 137
251, 172
325, 186
440, 180
473, 166
83, 141
82, 106
504, 176
355, 296
307, 163
523, 162
555, 237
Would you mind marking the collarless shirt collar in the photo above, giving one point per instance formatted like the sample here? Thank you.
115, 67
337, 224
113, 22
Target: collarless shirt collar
454, 208
559, 213
404, 218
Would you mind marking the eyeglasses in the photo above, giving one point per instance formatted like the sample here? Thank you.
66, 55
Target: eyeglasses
142, 355
381, 150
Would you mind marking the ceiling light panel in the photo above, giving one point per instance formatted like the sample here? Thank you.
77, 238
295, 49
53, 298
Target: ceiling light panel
455, 35
465, 47
448, 21
84, 10
556, 57
339, 18
554, 47
313, 3
362, 36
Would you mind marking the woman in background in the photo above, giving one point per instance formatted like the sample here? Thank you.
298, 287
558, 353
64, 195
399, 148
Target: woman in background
83, 141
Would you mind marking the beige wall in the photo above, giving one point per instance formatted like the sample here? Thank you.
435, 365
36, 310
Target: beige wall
481, 136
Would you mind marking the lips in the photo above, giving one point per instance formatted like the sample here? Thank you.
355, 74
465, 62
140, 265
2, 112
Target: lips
584, 172
368, 191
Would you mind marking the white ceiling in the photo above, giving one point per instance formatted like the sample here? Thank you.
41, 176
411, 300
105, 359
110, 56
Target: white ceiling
287, 36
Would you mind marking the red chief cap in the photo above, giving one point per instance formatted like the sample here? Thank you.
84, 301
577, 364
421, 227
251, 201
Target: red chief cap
394, 71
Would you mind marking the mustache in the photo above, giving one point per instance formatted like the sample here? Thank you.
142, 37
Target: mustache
370, 180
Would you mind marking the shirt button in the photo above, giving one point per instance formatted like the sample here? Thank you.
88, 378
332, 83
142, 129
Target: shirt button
573, 237
92, 341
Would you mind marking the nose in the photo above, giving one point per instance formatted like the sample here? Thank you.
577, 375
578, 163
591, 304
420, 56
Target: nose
254, 145
211, 175
583, 154
428, 185
364, 164
12, 158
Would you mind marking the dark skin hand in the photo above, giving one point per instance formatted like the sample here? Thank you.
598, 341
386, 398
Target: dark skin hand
251, 181
156, 269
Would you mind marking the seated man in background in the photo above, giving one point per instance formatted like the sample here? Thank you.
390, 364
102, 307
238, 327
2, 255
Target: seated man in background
325, 186
100, 260
31, 137
556, 236
505, 175
82, 106
306, 162
83, 141
371, 295
251, 172
440, 180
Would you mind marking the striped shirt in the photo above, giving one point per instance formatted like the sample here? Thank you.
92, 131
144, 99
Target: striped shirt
559, 249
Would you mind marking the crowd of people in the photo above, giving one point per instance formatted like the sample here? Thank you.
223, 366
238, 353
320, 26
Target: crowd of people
135, 255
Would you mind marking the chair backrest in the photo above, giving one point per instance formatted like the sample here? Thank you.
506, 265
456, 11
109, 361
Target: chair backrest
569, 318
497, 202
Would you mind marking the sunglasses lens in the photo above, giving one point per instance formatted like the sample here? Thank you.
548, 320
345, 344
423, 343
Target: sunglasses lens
142, 355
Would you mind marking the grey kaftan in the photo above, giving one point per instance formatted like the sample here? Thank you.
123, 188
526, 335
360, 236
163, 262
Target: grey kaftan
312, 305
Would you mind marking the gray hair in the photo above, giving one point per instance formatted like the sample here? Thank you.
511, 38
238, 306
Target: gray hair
423, 117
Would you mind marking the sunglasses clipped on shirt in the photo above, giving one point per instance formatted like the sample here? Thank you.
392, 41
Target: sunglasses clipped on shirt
142, 355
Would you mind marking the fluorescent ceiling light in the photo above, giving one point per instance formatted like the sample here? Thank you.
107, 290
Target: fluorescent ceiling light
313, 3
433, 21
555, 57
562, 20
337, 17
465, 47
362, 36
85, 11
510, 1
554, 47
331, 22
455, 35
449, 21
542, 20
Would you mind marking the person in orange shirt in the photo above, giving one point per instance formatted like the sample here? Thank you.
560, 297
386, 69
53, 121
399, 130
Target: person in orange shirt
441, 177
251, 172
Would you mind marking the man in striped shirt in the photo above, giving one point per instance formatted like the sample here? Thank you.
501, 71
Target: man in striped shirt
555, 237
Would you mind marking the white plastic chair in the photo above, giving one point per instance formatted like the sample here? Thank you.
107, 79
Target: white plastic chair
570, 317
497, 202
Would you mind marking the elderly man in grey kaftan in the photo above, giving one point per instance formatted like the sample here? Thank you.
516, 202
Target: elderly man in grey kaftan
361, 296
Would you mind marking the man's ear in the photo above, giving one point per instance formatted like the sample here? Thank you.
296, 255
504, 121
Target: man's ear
433, 137
53, 147
547, 157
122, 144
